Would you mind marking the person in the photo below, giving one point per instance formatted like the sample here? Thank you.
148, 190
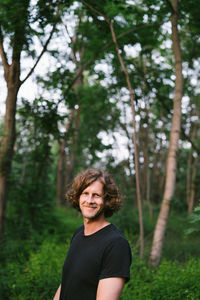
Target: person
98, 261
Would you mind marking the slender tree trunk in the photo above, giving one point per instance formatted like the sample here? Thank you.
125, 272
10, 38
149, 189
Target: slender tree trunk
60, 195
130, 157
188, 184
70, 164
191, 172
139, 200
60, 191
160, 228
147, 171
146, 145
140, 148
193, 185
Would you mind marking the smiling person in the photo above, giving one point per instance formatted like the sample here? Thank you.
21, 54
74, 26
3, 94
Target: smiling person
98, 261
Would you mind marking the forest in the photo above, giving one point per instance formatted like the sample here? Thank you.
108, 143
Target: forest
105, 84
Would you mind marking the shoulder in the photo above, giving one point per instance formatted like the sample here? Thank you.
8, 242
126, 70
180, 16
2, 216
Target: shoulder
117, 242
116, 259
117, 235
78, 231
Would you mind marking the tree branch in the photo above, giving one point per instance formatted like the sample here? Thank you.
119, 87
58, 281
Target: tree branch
3, 54
95, 11
106, 46
42, 52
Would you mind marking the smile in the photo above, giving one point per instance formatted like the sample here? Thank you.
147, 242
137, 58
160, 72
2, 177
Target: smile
90, 206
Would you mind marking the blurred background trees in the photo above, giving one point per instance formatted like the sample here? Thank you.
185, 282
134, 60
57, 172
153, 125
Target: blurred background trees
79, 114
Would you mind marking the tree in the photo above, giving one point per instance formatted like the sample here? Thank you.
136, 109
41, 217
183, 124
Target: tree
32, 190
15, 29
61, 167
170, 180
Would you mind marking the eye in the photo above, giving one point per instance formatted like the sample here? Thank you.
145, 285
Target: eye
97, 195
84, 193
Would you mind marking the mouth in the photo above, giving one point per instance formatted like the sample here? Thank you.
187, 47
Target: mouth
90, 206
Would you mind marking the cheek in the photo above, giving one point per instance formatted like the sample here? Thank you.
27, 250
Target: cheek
80, 202
101, 202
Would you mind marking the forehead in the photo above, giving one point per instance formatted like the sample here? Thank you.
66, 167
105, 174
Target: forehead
95, 186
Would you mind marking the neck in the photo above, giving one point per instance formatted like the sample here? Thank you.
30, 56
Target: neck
92, 226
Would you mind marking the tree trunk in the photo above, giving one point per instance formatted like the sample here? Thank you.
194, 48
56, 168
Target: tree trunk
145, 139
147, 171
61, 176
70, 164
8, 138
60, 191
191, 172
160, 228
139, 200
192, 192
12, 78
188, 184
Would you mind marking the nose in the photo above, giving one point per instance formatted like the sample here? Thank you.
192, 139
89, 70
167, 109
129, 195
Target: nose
90, 199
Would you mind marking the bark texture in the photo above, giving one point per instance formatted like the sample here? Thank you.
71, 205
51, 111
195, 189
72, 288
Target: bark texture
11, 74
160, 228
139, 200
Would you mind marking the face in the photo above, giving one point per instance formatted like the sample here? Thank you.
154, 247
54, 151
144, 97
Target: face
91, 201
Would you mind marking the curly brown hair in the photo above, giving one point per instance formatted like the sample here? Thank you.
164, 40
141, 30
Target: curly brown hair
112, 199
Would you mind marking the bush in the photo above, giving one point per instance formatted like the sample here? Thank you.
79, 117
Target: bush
169, 281
39, 277
127, 220
31, 268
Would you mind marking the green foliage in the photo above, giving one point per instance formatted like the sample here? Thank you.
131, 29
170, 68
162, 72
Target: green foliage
20, 22
40, 276
31, 198
96, 115
169, 281
177, 246
13, 15
127, 220
31, 268
35, 241
194, 222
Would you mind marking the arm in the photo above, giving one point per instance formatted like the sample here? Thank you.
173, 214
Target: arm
57, 295
110, 288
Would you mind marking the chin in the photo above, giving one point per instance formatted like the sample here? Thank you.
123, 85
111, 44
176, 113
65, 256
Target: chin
96, 216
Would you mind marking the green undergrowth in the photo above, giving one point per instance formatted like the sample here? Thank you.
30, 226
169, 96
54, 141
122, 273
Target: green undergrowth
171, 280
31, 268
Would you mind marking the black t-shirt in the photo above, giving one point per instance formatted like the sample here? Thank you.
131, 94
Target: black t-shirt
104, 254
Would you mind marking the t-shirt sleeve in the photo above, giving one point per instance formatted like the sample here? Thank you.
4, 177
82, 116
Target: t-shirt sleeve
116, 260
